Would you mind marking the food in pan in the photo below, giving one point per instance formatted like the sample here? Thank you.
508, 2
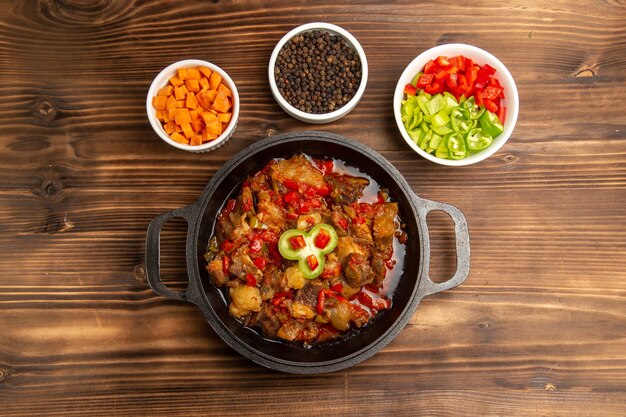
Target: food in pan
195, 106
307, 250
452, 109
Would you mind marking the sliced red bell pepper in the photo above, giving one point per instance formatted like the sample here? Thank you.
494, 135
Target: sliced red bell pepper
291, 197
452, 82
269, 236
425, 80
430, 67
291, 184
441, 76
434, 88
321, 299
501, 114
227, 245
471, 74
297, 242
359, 220
338, 287
256, 244
489, 69
250, 280
459, 62
230, 205
260, 263
322, 239
312, 261
304, 207
491, 106
409, 90
225, 264
443, 62
491, 92
478, 96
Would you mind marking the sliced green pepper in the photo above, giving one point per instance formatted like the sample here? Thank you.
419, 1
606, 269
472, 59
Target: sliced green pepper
456, 146
490, 124
476, 140
442, 150
320, 235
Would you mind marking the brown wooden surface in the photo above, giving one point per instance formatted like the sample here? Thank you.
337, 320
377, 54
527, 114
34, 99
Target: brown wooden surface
539, 327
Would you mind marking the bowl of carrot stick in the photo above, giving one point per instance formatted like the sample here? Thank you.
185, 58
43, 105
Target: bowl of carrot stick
193, 105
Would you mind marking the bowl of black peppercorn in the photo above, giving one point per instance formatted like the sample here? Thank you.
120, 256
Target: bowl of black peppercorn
318, 72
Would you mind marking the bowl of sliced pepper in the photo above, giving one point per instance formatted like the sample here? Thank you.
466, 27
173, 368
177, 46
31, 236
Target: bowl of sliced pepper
456, 104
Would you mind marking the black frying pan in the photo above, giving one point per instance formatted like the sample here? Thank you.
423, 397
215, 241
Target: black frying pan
331, 356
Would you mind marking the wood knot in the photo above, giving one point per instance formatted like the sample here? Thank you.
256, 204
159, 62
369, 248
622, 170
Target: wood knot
84, 12
140, 272
511, 158
44, 110
485, 325
50, 187
270, 132
550, 387
3, 374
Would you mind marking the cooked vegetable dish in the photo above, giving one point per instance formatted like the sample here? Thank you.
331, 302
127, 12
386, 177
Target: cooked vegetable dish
307, 250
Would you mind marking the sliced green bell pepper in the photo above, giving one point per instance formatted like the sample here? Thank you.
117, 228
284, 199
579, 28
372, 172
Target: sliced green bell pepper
311, 248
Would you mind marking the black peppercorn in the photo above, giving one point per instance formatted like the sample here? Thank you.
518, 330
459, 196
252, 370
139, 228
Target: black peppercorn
317, 72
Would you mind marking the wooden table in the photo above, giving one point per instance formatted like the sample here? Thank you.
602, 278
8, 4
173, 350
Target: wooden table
538, 328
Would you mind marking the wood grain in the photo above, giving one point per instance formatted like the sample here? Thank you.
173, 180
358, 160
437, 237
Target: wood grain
538, 329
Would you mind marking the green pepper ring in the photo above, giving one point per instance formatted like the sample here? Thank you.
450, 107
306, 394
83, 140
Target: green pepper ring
300, 255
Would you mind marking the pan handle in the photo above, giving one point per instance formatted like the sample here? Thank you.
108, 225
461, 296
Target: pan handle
428, 286
153, 252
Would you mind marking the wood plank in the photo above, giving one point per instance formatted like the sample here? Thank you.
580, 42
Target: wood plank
538, 327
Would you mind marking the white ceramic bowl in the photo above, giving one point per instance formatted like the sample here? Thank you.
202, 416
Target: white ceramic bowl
162, 79
325, 117
481, 57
